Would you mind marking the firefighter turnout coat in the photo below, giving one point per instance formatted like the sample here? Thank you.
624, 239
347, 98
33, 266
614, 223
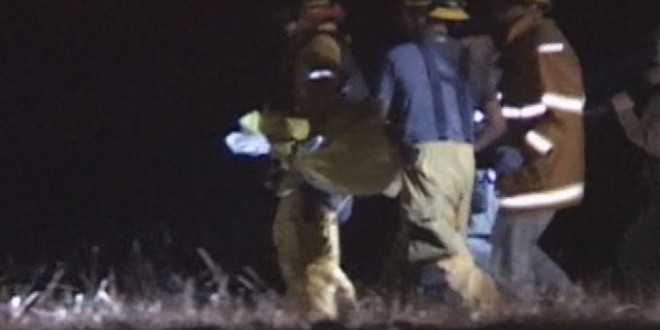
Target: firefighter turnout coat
543, 99
354, 155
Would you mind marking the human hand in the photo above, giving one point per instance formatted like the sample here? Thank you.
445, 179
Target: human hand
622, 102
509, 161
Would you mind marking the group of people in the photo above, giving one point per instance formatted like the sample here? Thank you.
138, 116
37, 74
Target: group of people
439, 101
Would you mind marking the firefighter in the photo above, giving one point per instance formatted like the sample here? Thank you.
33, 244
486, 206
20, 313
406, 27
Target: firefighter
638, 111
306, 228
490, 125
543, 99
425, 91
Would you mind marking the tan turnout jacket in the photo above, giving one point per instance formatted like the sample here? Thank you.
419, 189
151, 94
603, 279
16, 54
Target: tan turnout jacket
542, 93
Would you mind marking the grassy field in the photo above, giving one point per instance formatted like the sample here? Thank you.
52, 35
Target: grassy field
186, 310
147, 297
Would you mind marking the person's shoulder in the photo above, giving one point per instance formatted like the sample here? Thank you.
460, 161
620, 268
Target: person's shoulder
548, 31
323, 40
400, 50
480, 48
323, 44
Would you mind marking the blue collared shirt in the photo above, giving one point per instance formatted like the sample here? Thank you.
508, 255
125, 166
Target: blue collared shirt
404, 86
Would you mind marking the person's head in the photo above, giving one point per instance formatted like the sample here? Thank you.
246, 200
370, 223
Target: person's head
415, 15
509, 11
305, 15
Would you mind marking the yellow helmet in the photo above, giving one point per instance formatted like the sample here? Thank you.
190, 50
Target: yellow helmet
446, 10
449, 10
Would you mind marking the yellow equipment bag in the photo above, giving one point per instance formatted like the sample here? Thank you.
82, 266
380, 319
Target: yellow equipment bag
356, 156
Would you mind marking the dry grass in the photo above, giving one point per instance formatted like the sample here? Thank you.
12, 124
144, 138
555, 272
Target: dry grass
144, 298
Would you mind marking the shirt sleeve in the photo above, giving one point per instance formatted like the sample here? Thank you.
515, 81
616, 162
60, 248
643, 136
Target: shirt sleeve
562, 93
386, 84
487, 77
632, 126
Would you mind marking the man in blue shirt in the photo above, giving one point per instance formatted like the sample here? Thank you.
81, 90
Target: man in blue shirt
426, 92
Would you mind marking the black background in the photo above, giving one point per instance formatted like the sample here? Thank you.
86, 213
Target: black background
112, 115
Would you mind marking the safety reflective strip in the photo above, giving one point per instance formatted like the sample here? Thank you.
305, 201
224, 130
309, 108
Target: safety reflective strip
539, 142
564, 102
479, 117
333, 212
320, 74
491, 174
544, 199
555, 47
526, 112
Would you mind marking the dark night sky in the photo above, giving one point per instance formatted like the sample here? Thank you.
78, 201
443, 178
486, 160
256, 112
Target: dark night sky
112, 113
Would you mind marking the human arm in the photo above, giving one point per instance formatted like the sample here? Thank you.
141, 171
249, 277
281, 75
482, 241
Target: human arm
496, 125
643, 132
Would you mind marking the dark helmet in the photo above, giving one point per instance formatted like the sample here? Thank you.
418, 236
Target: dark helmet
292, 8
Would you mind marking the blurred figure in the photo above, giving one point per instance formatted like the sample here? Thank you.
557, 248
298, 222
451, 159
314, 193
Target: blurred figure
484, 76
425, 90
490, 125
638, 111
320, 72
543, 99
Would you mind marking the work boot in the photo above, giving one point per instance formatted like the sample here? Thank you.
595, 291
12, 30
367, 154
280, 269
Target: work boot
345, 299
476, 288
329, 294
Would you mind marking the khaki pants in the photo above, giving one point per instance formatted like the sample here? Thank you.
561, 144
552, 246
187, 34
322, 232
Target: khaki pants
306, 235
435, 202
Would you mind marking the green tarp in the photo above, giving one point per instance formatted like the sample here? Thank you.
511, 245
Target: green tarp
356, 158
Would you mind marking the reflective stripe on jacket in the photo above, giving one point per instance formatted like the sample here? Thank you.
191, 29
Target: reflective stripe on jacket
543, 93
